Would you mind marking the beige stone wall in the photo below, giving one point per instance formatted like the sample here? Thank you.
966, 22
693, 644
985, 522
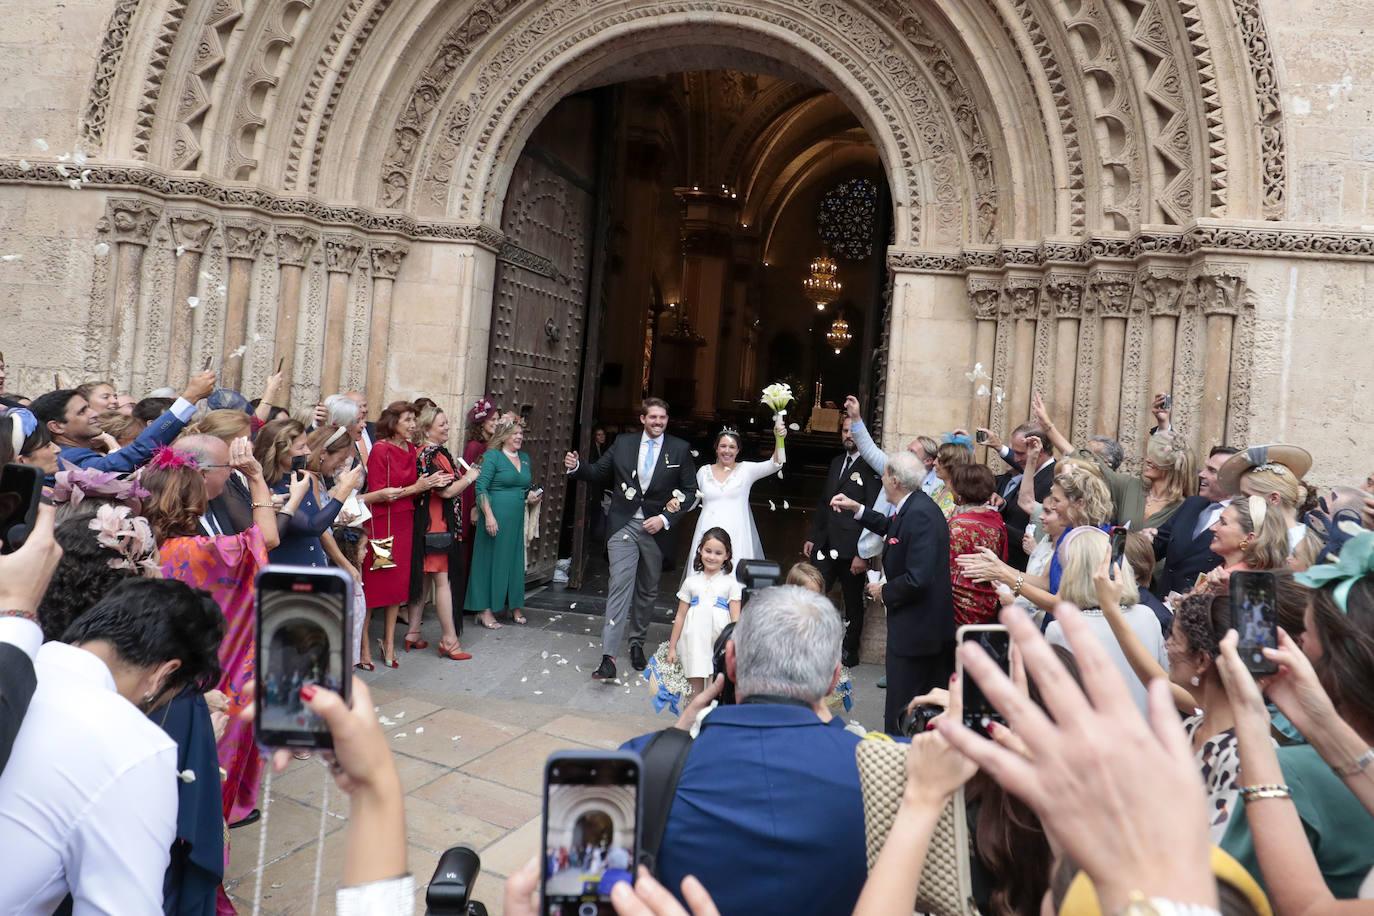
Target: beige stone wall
47, 55
1326, 62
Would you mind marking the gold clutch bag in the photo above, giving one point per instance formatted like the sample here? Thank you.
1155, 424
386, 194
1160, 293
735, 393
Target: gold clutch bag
381, 552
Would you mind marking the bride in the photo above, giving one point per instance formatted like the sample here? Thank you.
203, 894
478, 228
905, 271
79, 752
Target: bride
724, 488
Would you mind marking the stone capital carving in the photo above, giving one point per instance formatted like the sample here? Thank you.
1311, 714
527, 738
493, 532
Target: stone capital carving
294, 245
244, 238
341, 253
190, 230
1022, 295
1218, 293
1111, 291
984, 295
386, 259
1161, 290
1065, 293
131, 220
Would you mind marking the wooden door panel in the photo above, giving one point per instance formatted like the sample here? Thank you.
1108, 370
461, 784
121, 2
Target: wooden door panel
539, 312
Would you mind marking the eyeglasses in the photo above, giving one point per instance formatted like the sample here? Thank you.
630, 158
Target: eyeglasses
206, 467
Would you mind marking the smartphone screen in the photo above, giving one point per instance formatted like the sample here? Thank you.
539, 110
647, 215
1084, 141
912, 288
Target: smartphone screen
304, 633
298, 462
1118, 548
1254, 615
21, 490
591, 830
996, 642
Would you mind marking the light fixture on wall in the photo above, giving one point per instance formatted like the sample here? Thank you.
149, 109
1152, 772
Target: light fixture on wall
838, 336
821, 287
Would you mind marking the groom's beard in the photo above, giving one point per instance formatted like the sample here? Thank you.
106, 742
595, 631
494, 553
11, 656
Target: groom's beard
851, 446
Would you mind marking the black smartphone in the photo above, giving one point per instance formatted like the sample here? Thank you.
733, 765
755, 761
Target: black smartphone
21, 490
1118, 536
996, 642
281, 362
981, 436
304, 634
1167, 402
1255, 618
591, 830
298, 462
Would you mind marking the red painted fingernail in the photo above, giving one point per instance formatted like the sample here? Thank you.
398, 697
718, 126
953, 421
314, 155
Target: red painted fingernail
953, 678
308, 692
930, 725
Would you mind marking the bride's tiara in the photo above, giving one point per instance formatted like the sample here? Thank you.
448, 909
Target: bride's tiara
728, 431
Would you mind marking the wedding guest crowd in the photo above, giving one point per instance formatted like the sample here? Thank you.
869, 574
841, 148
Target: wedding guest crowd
1133, 732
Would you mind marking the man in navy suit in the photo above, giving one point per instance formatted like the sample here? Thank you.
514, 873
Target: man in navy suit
652, 481
917, 592
74, 427
1184, 542
1008, 485
768, 813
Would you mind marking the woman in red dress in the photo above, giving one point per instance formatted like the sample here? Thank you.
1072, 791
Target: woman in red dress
393, 483
482, 419
974, 524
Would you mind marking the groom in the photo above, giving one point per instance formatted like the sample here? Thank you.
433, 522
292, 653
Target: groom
642, 471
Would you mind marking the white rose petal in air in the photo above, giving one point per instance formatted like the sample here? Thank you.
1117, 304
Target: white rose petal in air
239, 352
65, 157
74, 184
834, 554
85, 175
181, 250
193, 301
257, 338
204, 275
771, 506
399, 735
79, 157
40, 144
785, 505
544, 654
420, 730
101, 249
982, 391
400, 715
25, 165
62, 170
221, 289
11, 257
539, 693
696, 454
794, 426
187, 776
524, 679
570, 607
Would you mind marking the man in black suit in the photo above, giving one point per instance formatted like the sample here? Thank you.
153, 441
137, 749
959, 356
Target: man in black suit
834, 543
212, 458
917, 592
1184, 542
652, 481
1009, 483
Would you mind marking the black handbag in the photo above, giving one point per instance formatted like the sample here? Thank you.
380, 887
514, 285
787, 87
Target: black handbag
438, 541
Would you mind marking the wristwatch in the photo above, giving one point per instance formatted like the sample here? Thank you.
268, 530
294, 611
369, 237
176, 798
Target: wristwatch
1140, 905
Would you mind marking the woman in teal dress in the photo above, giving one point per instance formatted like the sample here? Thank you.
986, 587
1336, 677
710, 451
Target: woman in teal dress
497, 578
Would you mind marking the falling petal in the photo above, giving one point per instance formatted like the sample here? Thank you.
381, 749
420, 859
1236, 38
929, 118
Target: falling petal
545, 671
74, 184
785, 504
834, 554
579, 668
181, 250
696, 454
206, 276
187, 776
40, 144
256, 337
982, 391
455, 737
101, 249
771, 506
221, 289
11, 257
570, 607
420, 730
62, 170
794, 426
85, 175
970, 376
779, 473
539, 693
400, 734
79, 158
65, 157
562, 661
25, 165
544, 654
193, 301
239, 352
524, 679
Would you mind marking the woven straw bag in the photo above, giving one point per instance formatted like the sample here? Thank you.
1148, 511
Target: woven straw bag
945, 888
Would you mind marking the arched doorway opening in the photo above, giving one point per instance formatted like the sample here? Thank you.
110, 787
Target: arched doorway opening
657, 237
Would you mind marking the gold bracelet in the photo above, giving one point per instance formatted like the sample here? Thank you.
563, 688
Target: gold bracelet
1250, 793
262, 505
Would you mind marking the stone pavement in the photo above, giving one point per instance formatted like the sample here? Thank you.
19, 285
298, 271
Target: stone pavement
470, 740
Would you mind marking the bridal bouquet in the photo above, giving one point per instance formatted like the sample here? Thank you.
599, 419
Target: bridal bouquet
776, 397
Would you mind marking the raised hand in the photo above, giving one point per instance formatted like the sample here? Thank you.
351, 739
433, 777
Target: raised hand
241, 458
852, 408
841, 503
571, 461
202, 384
1038, 408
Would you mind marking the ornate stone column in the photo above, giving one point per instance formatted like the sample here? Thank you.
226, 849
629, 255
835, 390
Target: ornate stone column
294, 245
1023, 294
1085, 386
386, 263
1112, 290
190, 233
1002, 360
984, 300
1131, 427
243, 241
341, 253
130, 223
1065, 293
1219, 288
1163, 287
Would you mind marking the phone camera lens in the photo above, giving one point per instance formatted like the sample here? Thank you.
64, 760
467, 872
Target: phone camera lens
587, 909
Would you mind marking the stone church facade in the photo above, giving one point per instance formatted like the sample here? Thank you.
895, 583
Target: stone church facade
1095, 199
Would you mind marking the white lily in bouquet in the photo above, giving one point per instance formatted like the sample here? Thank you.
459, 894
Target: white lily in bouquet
776, 397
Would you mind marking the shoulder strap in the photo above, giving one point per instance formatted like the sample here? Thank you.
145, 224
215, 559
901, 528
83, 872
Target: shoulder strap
663, 758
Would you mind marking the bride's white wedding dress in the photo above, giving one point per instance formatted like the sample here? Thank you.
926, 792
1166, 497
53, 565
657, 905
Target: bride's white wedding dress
726, 505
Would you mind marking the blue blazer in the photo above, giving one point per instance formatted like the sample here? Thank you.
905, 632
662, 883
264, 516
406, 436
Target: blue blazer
132, 456
1184, 556
768, 813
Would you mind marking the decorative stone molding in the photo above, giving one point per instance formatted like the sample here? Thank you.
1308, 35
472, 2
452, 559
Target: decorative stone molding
1218, 287
1204, 69
985, 296
1065, 291
325, 70
94, 115
326, 119
341, 253
1274, 174
1022, 294
1111, 291
925, 262
294, 245
1160, 289
244, 238
155, 75
132, 220
386, 260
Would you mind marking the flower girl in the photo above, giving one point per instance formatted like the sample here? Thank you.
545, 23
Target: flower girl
707, 601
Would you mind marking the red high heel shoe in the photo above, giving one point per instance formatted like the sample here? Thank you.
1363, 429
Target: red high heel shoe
417, 642
456, 653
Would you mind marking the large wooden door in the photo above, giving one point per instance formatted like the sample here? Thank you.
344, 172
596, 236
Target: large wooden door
540, 302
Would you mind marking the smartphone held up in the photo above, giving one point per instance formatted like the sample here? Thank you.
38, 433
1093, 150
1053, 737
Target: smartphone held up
993, 638
21, 490
590, 839
1255, 618
304, 633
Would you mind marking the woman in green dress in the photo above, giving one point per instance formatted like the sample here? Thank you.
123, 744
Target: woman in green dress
497, 578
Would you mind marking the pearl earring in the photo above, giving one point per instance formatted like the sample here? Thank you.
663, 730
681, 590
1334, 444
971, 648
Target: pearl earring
1194, 680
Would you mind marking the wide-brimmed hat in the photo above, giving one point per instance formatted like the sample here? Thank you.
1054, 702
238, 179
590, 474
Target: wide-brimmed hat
1291, 458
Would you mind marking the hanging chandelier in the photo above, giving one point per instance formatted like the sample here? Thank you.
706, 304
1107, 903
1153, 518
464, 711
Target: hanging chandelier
838, 336
821, 287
